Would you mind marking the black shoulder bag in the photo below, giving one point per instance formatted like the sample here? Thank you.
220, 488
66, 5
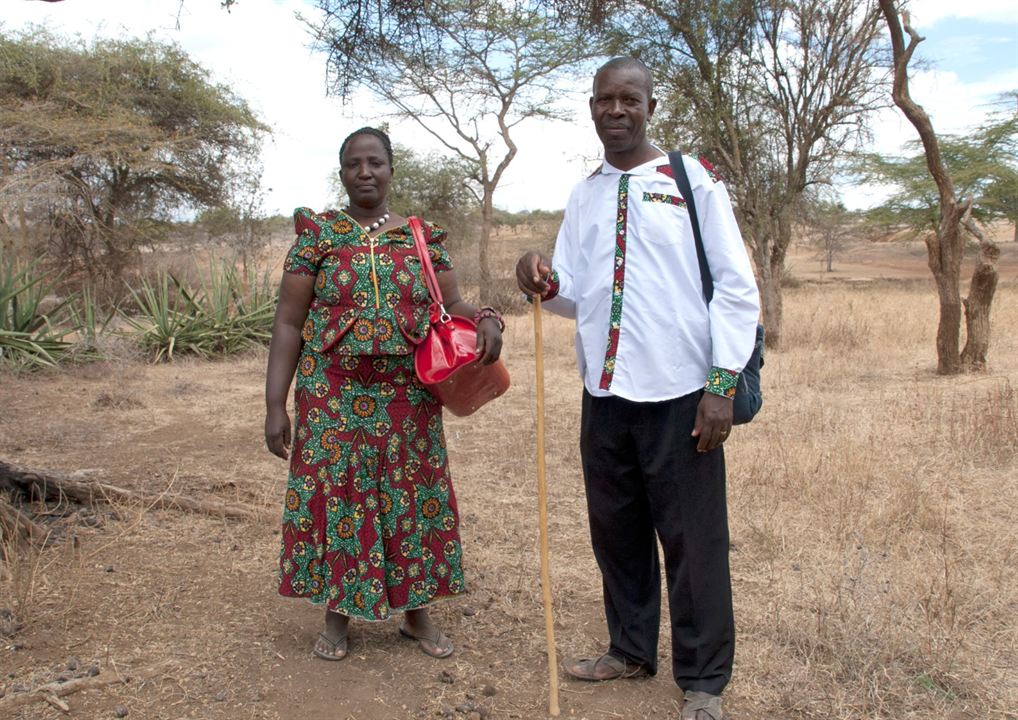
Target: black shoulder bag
748, 397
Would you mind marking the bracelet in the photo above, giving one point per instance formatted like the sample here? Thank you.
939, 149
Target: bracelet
489, 312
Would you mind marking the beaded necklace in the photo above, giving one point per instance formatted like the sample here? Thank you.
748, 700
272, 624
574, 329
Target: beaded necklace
376, 224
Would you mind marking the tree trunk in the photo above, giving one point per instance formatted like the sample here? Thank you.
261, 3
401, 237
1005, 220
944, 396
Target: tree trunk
949, 327
977, 305
487, 220
945, 251
773, 310
945, 248
774, 301
768, 282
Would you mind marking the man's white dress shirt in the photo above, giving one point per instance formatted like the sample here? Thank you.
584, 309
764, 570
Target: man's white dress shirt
626, 269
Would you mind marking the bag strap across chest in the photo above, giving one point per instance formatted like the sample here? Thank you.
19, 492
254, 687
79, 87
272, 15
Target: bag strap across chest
430, 279
682, 180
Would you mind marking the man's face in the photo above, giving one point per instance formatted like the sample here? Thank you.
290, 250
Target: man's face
620, 108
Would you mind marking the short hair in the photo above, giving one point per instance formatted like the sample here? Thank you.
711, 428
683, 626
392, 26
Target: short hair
627, 62
386, 143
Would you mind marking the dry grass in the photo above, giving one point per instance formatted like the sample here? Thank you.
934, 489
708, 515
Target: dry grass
873, 511
873, 508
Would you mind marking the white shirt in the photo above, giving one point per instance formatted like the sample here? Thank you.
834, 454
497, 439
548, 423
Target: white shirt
667, 338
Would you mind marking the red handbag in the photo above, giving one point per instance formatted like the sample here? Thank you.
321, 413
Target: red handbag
446, 360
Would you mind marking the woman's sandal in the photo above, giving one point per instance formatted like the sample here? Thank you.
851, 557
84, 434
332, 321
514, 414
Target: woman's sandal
441, 646
337, 648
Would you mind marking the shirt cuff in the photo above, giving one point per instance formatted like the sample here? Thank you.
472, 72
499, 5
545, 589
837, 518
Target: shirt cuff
553, 288
721, 382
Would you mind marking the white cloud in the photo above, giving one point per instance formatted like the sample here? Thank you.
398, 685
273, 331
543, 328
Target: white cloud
929, 12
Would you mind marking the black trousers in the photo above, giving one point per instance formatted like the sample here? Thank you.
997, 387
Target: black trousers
645, 482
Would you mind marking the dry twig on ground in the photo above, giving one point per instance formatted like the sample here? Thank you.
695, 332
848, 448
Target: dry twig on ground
56, 487
51, 692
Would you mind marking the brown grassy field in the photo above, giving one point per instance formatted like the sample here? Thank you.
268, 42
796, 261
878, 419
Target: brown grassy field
873, 509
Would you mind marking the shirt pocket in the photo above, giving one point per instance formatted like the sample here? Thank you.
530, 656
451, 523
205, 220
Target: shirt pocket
663, 218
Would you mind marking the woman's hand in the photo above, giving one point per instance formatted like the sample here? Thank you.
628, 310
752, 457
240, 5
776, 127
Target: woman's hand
489, 333
489, 340
277, 431
295, 293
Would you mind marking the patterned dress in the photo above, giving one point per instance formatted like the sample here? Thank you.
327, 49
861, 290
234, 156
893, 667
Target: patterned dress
370, 523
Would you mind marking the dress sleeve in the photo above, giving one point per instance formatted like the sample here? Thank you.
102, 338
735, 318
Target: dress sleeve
305, 254
434, 236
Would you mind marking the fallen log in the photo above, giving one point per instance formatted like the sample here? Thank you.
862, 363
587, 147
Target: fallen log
53, 487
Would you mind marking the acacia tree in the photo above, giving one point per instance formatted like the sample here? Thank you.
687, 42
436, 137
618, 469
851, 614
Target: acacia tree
773, 92
946, 245
468, 72
829, 226
983, 164
101, 142
997, 194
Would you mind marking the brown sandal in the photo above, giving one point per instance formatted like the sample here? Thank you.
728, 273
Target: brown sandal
697, 701
606, 667
442, 646
336, 648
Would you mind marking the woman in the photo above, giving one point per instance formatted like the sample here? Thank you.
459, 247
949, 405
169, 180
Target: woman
370, 525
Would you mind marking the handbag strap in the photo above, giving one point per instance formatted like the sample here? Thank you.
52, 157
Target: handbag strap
682, 180
425, 257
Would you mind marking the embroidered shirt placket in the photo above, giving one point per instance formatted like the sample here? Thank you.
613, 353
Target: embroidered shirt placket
618, 283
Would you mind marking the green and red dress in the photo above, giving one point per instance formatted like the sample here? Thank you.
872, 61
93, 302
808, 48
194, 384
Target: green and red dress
370, 524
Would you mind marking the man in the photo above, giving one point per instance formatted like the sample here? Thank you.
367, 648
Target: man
659, 368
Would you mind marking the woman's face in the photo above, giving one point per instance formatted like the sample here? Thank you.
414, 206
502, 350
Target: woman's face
365, 171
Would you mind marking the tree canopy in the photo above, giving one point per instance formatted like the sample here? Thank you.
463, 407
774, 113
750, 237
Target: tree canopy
468, 72
983, 165
772, 92
100, 140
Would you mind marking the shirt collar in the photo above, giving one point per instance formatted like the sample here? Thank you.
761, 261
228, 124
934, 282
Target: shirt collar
646, 168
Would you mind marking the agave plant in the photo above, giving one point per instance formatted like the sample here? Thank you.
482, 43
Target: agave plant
226, 314
166, 321
242, 308
28, 336
88, 319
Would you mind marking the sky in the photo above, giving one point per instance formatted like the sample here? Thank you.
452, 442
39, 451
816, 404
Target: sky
260, 49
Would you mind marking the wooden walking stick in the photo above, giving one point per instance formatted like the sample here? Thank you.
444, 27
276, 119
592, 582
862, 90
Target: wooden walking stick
542, 506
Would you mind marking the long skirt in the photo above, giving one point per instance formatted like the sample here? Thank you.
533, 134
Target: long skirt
370, 524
